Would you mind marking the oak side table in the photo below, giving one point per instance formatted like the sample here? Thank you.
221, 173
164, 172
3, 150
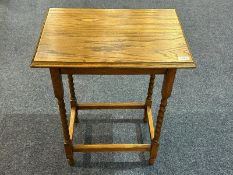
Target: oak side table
112, 42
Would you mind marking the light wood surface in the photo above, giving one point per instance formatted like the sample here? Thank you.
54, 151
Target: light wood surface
129, 105
110, 147
150, 122
73, 115
151, 38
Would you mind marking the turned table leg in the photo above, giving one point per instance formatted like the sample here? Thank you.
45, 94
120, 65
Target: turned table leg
59, 94
73, 101
149, 96
168, 81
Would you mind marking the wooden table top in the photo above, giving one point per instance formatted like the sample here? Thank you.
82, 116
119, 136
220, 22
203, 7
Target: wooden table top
119, 38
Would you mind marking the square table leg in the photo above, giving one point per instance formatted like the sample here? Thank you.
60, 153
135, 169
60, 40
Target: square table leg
168, 81
59, 94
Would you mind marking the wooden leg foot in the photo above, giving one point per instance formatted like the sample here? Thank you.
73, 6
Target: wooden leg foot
69, 154
153, 152
151, 161
70, 162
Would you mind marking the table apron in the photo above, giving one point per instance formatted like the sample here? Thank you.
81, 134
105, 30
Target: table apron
112, 71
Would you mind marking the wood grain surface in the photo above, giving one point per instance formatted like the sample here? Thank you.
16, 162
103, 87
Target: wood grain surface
112, 37
110, 147
126, 105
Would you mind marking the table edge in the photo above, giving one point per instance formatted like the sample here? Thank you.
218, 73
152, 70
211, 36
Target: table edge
144, 65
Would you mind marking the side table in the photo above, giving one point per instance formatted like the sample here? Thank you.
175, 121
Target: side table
112, 42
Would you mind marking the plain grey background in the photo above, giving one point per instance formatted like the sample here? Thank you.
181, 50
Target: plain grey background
197, 137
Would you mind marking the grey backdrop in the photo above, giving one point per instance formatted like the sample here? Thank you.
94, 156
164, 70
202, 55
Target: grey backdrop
197, 137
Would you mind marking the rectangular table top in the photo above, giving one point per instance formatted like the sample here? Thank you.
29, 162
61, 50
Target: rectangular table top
122, 38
